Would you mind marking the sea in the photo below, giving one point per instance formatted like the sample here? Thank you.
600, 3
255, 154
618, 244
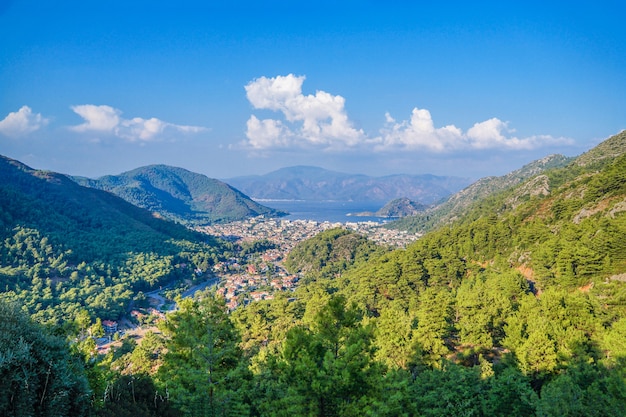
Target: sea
331, 211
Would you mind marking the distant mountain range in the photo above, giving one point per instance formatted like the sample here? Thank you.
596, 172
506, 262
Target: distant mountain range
318, 184
180, 195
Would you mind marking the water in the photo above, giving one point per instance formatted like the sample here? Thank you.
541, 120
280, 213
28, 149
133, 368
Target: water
332, 211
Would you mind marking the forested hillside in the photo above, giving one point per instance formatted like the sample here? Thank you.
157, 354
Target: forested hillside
456, 205
66, 248
528, 286
180, 195
400, 207
518, 308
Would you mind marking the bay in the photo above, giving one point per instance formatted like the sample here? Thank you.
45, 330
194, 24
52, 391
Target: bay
321, 211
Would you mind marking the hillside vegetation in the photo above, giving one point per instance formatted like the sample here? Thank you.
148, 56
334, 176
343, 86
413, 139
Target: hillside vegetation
456, 205
516, 308
180, 195
400, 207
66, 248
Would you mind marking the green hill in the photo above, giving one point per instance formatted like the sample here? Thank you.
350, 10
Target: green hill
517, 307
457, 204
396, 208
605, 152
400, 207
180, 195
65, 246
565, 227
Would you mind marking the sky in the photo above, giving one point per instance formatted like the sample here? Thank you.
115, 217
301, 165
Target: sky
226, 89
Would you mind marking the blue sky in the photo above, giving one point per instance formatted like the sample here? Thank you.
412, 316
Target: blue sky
226, 89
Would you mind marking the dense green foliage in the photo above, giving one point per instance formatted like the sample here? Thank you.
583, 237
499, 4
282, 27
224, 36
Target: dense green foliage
330, 253
180, 195
456, 205
134, 396
400, 207
64, 248
92, 224
516, 309
38, 376
202, 367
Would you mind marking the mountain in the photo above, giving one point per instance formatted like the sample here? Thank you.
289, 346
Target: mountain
457, 204
318, 184
604, 152
517, 307
180, 195
65, 247
89, 222
528, 284
563, 229
399, 207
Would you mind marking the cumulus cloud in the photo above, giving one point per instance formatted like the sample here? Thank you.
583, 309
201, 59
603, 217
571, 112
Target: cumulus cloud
108, 120
495, 133
22, 122
420, 133
318, 120
321, 121
267, 133
100, 118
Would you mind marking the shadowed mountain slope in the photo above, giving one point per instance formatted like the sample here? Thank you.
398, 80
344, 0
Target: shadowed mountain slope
180, 195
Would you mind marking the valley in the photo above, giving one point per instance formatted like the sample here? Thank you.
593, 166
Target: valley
503, 301
312, 209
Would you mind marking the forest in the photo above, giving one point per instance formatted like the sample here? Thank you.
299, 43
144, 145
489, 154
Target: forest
180, 195
515, 309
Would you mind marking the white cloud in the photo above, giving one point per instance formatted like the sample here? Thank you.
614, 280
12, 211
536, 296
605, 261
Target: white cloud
492, 133
318, 120
267, 133
108, 120
99, 118
321, 120
22, 122
420, 133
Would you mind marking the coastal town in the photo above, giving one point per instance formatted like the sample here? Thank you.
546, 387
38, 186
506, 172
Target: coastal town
258, 276
287, 233
250, 277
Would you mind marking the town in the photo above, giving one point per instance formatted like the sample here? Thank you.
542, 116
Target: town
258, 276
248, 278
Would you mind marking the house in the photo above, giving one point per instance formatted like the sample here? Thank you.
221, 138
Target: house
136, 314
158, 314
109, 326
232, 304
258, 295
290, 281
